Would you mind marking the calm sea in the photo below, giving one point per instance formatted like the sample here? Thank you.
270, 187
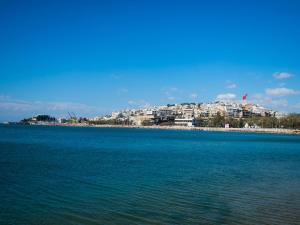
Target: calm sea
72, 175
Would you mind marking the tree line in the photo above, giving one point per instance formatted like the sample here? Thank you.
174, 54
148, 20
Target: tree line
291, 121
39, 118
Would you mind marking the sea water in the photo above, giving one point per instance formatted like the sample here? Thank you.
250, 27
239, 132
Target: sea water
77, 175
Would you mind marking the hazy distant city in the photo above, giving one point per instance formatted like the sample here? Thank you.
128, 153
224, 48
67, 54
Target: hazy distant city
216, 114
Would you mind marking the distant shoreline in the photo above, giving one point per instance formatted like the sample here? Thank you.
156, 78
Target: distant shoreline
216, 129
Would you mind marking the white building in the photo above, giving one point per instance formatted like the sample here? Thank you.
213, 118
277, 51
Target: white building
189, 122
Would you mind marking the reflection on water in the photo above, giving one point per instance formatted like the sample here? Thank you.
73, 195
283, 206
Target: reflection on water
62, 175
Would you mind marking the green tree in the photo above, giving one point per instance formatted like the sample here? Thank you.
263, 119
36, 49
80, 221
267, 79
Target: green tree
147, 123
218, 120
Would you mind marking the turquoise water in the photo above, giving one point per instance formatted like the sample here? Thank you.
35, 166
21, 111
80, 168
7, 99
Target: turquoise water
65, 175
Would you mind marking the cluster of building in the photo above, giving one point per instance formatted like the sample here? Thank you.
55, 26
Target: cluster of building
186, 114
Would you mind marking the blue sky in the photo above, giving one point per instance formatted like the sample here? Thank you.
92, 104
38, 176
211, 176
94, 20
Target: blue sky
92, 57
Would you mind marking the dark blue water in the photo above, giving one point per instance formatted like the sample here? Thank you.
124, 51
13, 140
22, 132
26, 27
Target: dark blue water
64, 175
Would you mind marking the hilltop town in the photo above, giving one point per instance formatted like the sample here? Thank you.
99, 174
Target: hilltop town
216, 114
187, 114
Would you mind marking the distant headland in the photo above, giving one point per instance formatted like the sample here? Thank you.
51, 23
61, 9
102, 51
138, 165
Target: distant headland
217, 116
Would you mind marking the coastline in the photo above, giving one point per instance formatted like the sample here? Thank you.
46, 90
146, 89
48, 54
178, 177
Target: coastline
215, 129
208, 129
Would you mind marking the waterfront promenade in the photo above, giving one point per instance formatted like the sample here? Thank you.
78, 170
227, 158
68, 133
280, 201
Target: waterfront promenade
216, 129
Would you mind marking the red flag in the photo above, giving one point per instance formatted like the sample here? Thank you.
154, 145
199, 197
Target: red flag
245, 97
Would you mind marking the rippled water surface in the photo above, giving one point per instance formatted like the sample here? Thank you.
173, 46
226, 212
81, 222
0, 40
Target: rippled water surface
65, 175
